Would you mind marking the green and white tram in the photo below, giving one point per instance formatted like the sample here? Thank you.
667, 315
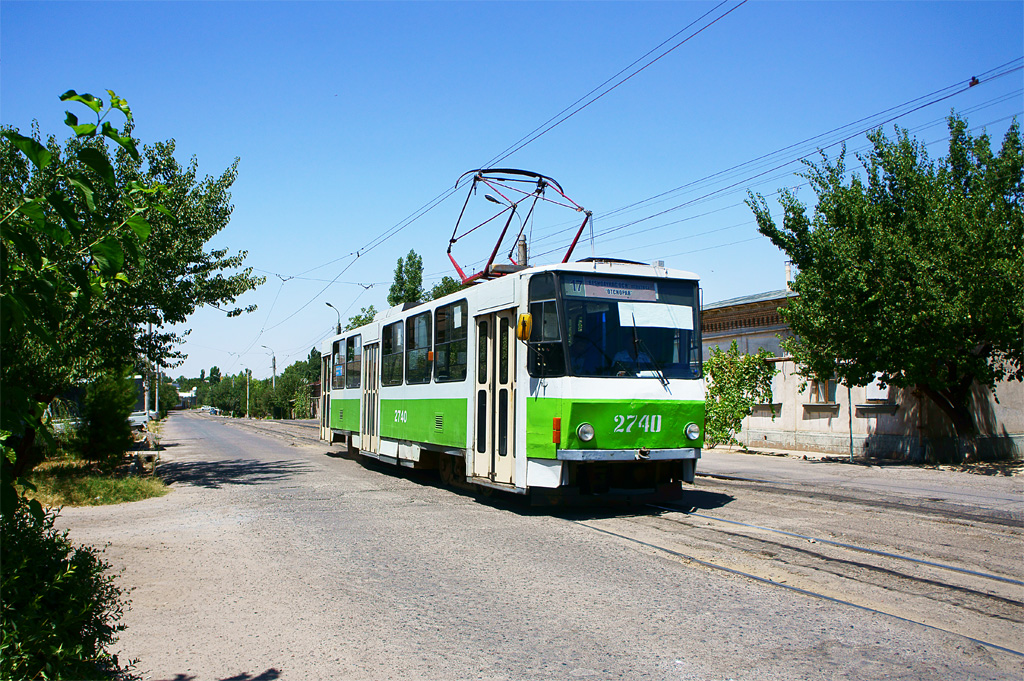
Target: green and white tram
579, 379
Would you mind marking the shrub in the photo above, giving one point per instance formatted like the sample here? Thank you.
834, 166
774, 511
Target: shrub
59, 610
735, 383
107, 434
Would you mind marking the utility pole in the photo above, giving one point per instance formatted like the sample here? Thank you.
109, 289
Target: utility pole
246, 393
273, 364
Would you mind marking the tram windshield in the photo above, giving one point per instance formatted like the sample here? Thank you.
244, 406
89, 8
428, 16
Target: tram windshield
630, 327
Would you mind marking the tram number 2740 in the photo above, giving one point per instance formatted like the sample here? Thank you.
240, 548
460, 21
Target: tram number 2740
649, 423
401, 416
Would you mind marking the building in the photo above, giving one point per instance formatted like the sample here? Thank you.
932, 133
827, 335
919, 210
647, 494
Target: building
867, 421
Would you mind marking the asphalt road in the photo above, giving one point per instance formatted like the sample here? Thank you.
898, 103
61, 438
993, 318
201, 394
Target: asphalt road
274, 559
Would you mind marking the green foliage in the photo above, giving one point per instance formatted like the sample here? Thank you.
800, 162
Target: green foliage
168, 396
106, 434
408, 284
365, 316
98, 244
76, 483
214, 374
735, 384
917, 273
444, 287
66, 234
59, 609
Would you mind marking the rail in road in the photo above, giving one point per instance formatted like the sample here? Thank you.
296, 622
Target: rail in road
982, 608
983, 605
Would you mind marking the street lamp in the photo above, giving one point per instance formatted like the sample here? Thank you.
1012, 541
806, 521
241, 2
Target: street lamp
273, 363
339, 314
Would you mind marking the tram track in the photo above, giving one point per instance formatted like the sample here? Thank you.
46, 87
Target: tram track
981, 606
936, 507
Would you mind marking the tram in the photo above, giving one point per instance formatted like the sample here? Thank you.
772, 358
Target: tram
562, 381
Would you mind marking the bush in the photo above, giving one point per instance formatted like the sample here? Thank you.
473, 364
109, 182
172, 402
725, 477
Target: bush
735, 383
59, 611
107, 434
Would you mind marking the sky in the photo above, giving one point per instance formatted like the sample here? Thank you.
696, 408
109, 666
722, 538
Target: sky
349, 118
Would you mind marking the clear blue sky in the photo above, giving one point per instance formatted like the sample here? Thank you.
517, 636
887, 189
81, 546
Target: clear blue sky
348, 117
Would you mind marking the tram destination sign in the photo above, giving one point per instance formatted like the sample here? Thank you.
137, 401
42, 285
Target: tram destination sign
611, 289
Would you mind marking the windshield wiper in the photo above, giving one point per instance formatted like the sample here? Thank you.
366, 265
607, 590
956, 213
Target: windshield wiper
638, 345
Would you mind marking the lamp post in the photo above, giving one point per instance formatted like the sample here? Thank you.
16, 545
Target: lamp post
273, 364
338, 313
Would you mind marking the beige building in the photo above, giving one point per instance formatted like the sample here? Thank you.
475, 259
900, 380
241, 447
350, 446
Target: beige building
821, 416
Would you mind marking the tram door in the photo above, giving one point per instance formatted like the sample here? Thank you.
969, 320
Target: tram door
325, 400
495, 387
369, 433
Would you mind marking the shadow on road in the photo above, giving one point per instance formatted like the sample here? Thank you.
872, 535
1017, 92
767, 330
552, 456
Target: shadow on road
215, 474
269, 675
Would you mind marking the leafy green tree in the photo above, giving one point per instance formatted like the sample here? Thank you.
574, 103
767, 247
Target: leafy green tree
65, 240
365, 316
87, 200
109, 401
214, 374
313, 365
408, 284
444, 287
917, 272
735, 384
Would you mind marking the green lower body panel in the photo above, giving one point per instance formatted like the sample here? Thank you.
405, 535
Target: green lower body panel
436, 422
345, 415
618, 424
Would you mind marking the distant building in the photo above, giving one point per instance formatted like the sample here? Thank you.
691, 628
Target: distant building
821, 416
187, 400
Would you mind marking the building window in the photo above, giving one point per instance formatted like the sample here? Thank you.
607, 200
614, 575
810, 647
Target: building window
451, 342
417, 349
823, 391
353, 361
392, 353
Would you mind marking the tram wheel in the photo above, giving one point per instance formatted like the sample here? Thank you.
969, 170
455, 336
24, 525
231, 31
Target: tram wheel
447, 465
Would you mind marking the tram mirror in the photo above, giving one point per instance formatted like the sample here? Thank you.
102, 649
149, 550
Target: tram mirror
524, 327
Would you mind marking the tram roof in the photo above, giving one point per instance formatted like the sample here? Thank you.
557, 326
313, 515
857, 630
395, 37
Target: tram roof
603, 266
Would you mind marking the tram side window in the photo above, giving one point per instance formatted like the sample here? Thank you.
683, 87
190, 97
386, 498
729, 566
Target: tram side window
417, 348
353, 361
338, 368
546, 353
392, 353
450, 342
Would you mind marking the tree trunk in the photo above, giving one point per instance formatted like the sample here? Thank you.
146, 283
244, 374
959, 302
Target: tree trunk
955, 404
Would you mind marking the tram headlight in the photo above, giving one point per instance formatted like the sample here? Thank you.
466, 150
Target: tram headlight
692, 431
585, 432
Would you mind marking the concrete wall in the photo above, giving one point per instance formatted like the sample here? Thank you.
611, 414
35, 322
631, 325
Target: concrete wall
900, 426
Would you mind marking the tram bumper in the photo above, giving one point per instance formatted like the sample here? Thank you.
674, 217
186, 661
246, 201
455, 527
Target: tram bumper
630, 476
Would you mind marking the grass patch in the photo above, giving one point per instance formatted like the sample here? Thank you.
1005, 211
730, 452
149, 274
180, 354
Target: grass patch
68, 482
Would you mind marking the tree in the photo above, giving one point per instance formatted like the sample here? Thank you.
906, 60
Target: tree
62, 255
444, 287
408, 284
92, 257
214, 374
313, 365
735, 384
365, 316
917, 274
109, 401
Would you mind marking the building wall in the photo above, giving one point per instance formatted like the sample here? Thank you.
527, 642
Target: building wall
869, 420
